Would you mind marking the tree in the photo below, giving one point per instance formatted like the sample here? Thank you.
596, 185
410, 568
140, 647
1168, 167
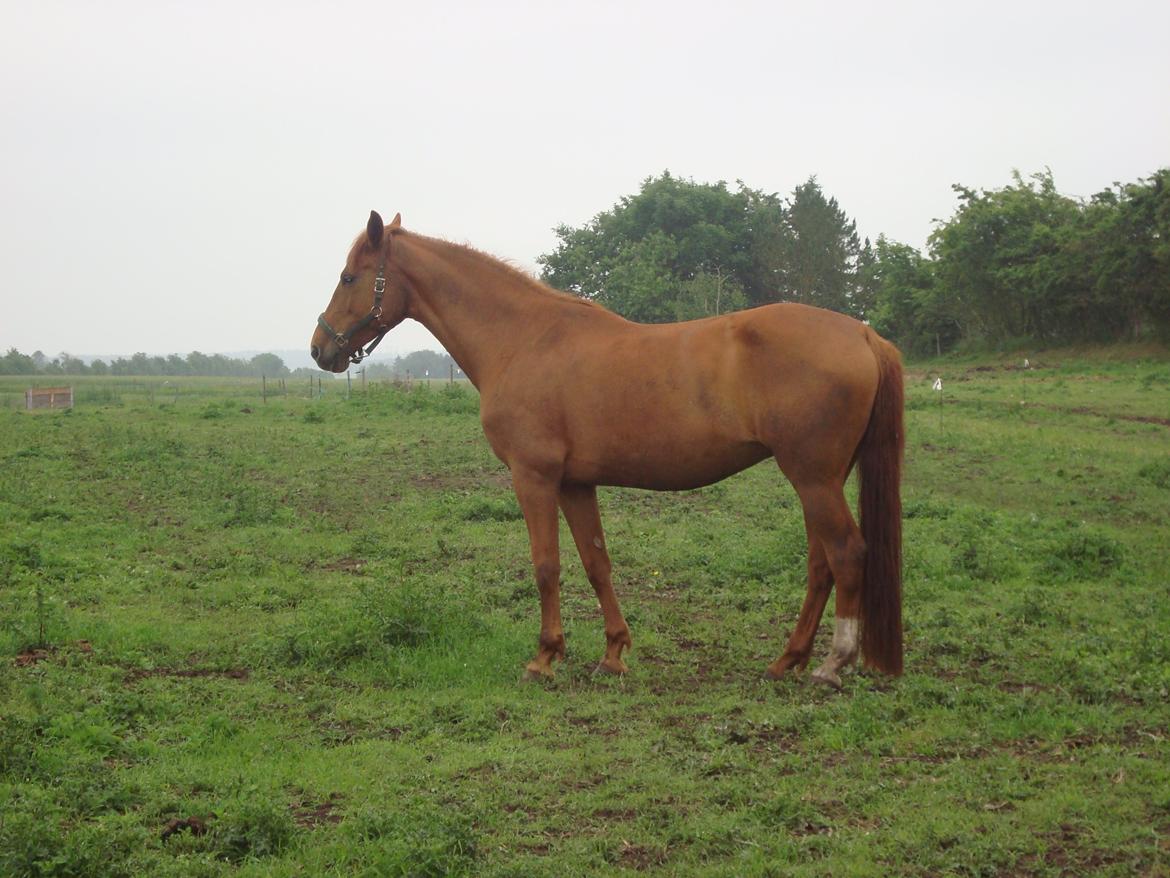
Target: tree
420, 364
268, 364
819, 256
708, 294
16, 363
1123, 254
1002, 258
909, 307
640, 279
677, 247
684, 249
71, 365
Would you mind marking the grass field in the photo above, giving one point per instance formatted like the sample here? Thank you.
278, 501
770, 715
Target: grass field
303, 622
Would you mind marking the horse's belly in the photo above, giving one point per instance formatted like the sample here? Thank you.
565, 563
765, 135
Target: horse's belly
667, 466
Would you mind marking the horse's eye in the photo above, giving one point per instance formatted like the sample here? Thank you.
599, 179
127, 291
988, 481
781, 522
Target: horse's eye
348, 278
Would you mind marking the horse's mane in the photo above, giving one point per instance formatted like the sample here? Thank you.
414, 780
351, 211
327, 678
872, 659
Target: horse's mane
517, 276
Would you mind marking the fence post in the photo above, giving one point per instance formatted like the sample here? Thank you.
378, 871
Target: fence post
264, 388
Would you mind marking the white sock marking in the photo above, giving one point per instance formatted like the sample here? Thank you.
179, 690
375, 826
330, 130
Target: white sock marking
845, 637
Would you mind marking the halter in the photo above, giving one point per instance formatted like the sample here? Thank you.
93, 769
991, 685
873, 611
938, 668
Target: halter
342, 339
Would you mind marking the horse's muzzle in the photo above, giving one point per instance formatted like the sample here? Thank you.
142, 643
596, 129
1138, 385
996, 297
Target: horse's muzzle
329, 358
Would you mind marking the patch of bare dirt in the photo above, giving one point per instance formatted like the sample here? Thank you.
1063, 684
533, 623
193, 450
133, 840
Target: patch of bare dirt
310, 815
30, 657
1064, 855
230, 673
341, 565
640, 857
1085, 410
339, 733
194, 825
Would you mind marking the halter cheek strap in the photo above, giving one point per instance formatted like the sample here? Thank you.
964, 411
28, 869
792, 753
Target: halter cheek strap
342, 339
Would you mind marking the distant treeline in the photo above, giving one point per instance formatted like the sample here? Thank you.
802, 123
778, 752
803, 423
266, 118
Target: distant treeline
194, 364
1019, 263
420, 364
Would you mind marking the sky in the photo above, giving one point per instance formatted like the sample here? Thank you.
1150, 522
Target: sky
179, 176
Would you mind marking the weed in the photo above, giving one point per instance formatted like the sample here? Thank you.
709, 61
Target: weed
490, 509
250, 827
1085, 553
414, 839
380, 620
1155, 379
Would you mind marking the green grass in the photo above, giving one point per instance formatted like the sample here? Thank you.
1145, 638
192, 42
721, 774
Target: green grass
309, 619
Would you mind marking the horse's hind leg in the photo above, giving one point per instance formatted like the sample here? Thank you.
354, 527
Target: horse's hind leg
829, 520
579, 503
820, 583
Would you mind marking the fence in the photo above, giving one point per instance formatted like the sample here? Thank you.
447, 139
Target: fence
48, 398
90, 391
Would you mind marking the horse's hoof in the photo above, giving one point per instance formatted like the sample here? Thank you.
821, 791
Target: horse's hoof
779, 669
537, 674
827, 678
616, 669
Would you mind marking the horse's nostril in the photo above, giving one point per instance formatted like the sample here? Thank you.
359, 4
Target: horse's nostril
314, 352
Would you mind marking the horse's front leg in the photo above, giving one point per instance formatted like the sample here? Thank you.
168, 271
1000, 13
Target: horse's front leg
579, 503
537, 496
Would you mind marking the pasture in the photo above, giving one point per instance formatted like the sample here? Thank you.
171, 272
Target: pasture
303, 622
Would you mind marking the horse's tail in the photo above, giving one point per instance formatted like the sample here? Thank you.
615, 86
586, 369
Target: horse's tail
879, 458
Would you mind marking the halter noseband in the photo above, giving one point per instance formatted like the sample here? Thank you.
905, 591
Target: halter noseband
342, 339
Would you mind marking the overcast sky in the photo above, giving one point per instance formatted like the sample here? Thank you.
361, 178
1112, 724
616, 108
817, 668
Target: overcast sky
180, 176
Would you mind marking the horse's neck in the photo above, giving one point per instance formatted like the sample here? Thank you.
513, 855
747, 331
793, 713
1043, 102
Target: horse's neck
475, 306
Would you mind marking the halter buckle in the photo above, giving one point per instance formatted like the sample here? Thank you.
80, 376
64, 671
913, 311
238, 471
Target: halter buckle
379, 284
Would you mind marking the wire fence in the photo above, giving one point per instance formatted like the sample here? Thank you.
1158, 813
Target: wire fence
91, 391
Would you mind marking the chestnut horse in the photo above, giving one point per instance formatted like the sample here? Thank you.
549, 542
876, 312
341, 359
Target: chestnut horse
573, 396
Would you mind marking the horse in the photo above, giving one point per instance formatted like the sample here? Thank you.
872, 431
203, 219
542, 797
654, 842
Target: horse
573, 396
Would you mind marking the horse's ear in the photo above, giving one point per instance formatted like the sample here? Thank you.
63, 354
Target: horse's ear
396, 223
374, 230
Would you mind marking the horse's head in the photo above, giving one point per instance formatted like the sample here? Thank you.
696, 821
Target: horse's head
369, 301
